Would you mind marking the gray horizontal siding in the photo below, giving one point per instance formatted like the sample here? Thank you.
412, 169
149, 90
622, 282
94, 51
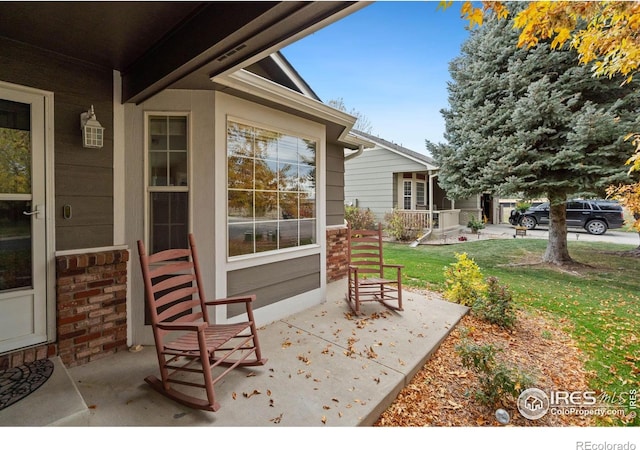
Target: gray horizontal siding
335, 185
274, 282
83, 177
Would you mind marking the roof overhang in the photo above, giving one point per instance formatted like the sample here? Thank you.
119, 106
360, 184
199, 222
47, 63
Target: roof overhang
157, 45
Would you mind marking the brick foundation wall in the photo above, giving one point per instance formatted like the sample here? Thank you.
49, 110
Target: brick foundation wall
336, 253
27, 355
91, 305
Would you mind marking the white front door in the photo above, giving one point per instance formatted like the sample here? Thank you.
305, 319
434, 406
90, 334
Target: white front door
23, 233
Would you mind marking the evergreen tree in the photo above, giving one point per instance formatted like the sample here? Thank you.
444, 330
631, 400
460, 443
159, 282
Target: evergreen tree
532, 123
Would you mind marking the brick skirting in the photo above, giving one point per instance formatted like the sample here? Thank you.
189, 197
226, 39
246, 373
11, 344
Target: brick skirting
91, 294
336, 253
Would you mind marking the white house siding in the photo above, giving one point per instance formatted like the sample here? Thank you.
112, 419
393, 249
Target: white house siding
369, 179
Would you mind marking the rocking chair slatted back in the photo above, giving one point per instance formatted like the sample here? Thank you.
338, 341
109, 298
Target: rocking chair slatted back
177, 304
366, 271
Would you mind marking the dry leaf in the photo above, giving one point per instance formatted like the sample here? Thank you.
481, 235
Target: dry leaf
255, 392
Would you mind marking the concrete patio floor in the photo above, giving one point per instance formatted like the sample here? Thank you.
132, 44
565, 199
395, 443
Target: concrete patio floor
325, 368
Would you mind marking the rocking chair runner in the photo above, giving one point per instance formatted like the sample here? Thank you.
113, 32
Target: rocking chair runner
366, 271
186, 341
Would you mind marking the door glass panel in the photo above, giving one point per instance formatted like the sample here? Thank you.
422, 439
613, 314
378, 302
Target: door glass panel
15, 245
15, 148
15, 178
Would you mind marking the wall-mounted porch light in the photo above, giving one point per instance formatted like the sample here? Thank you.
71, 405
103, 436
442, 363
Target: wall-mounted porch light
92, 131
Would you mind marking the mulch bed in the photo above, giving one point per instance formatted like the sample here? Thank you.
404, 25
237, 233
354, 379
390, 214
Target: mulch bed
442, 393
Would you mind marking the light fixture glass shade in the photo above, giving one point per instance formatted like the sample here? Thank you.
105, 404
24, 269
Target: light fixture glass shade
92, 131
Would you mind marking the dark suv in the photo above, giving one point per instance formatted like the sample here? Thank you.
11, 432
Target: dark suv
595, 216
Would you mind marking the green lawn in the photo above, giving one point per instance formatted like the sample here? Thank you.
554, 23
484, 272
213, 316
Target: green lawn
599, 306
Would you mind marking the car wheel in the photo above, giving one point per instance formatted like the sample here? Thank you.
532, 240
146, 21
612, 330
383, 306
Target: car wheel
528, 222
596, 227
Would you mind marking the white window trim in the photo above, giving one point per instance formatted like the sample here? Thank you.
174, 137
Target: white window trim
148, 189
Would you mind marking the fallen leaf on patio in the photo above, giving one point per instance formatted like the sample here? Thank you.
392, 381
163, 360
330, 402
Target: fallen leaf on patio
324, 419
286, 344
269, 392
251, 374
377, 380
233, 395
335, 400
277, 419
326, 407
271, 402
304, 359
255, 392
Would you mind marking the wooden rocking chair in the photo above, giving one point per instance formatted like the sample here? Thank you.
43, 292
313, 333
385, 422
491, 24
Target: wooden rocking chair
186, 342
367, 282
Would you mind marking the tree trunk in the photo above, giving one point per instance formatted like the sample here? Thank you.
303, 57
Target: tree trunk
557, 250
636, 216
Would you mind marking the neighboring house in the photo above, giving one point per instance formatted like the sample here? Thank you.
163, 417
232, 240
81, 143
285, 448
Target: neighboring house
387, 176
248, 160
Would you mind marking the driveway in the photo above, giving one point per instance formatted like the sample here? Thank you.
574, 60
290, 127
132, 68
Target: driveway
574, 234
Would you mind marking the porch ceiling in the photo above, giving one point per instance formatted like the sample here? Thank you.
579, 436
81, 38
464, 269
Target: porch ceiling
156, 45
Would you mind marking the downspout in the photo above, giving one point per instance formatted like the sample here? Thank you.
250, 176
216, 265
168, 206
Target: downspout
355, 154
418, 241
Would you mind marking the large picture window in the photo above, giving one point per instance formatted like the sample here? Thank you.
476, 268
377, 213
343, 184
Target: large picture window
168, 181
271, 190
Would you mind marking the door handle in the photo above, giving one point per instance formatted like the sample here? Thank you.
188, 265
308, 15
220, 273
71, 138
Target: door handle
33, 212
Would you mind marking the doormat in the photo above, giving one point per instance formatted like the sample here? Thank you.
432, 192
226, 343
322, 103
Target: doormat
19, 382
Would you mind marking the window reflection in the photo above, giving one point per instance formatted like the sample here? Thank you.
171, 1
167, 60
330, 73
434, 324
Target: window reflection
271, 187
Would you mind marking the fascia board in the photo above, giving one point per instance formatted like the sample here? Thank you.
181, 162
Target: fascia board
255, 85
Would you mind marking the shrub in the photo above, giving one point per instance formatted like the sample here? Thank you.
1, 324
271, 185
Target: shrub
359, 219
496, 305
475, 224
497, 380
398, 227
463, 281
522, 206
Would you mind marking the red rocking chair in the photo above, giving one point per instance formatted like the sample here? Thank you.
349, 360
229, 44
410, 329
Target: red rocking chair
367, 282
186, 341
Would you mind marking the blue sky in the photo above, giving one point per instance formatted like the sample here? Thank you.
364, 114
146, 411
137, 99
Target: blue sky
389, 61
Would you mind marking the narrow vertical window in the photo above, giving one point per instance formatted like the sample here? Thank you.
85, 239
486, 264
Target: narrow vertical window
407, 195
420, 193
271, 190
168, 182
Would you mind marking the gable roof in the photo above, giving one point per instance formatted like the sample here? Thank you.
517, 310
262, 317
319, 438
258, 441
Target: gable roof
400, 150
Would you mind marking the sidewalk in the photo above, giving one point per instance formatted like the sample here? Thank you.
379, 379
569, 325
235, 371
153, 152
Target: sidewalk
325, 368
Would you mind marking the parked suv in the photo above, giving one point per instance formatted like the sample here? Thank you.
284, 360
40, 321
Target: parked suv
595, 216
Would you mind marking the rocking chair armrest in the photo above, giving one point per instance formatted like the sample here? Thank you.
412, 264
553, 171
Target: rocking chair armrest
231, 300
183, 326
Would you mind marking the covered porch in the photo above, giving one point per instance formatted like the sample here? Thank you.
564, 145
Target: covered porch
424, 207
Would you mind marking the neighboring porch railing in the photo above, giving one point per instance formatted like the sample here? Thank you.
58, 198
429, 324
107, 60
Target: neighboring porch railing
436, 220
